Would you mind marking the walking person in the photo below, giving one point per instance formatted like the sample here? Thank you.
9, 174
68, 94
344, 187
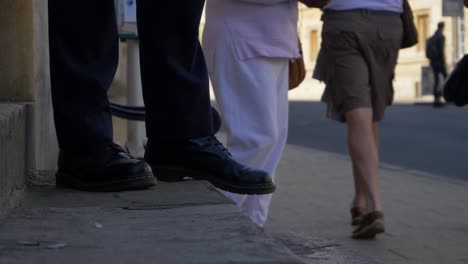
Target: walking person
83, 59
248, 45
360, 44
435, 51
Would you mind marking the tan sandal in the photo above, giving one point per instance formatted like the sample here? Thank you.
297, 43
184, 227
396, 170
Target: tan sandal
371, 225
357, 214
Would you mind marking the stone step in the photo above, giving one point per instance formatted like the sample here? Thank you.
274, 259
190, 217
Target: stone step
12, 154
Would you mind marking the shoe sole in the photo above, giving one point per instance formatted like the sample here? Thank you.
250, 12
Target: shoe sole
370, 231
67, 180
173, 174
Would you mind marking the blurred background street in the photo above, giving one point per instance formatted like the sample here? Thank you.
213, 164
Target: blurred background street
415, 137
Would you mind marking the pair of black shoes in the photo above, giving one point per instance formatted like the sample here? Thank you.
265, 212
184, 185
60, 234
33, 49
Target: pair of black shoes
113, 169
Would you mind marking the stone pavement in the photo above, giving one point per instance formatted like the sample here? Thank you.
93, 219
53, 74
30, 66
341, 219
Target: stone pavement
187, 222
426, 215
190, 222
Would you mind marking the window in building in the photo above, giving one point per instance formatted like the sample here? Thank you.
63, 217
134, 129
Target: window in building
422, 24
314, 46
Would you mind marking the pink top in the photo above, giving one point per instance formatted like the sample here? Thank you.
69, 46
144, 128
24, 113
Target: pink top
259, 28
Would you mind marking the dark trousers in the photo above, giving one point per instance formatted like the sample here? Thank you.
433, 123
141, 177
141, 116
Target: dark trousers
437, 71
84, 57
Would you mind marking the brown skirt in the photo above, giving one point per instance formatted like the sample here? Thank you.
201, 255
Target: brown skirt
357, 61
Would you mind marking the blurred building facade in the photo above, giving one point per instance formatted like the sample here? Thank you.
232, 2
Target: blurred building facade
413, 77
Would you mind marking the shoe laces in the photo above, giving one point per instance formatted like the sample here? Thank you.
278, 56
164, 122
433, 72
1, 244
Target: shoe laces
114, 150
219, 145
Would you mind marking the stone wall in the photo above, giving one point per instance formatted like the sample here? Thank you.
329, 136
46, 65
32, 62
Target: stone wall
24, 82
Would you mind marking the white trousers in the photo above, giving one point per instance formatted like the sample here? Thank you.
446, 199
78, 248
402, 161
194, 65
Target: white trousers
252, 96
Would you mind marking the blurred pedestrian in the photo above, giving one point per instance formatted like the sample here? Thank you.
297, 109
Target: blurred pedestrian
248, 45
360, 44
84, 52
435, 51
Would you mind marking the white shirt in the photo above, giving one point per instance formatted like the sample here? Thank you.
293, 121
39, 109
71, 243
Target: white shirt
382, 5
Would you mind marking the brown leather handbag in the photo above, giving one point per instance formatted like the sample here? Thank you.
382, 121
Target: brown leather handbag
410, 33
297, 70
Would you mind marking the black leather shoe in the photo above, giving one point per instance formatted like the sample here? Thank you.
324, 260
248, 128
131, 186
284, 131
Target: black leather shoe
207, 159
110, 168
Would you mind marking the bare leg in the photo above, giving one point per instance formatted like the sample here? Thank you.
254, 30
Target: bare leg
360, 194
375, 129
362, 140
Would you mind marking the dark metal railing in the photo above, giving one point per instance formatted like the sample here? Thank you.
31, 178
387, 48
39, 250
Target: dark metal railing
137, 113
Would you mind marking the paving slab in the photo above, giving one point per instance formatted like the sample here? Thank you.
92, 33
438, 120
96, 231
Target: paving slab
319, 250
426, 215
187, 222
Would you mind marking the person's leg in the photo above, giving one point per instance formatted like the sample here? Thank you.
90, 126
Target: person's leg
258, 206
252, 97
437, 93
360, 204
83, 61
445, 75
375, 130
360, 194
444, 72
176, 95
364, 153
350, 89
173, 71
